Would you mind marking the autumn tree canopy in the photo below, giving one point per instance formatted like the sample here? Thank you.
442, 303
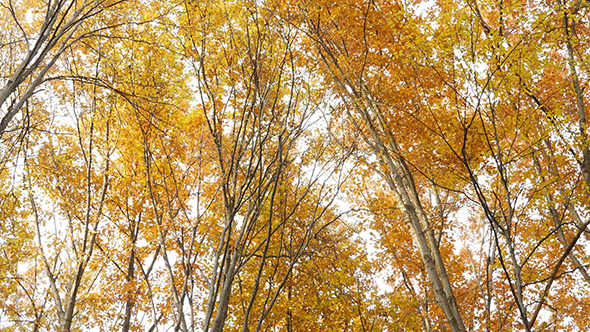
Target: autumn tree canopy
294, 165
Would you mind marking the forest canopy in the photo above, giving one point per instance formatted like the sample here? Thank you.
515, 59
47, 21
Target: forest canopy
294, 165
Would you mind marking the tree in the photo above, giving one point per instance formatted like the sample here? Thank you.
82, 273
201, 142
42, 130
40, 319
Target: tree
274, 197
446, 87
210, 165
353, 69
34, 39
